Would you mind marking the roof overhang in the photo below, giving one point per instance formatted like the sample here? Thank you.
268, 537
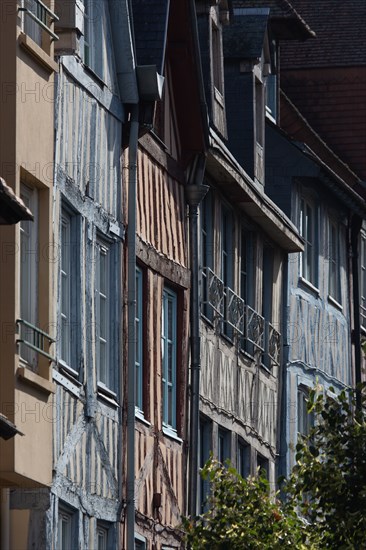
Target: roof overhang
12, 208
249, 196
7, 428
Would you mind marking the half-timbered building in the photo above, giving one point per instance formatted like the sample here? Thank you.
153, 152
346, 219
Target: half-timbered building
244, 240
172, 140
86, 493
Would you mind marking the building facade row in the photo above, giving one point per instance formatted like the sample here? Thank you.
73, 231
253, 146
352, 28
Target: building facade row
189, 259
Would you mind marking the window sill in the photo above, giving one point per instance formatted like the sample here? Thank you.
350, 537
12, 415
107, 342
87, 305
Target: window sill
107, 395
94, 76
36, 51
139, 416
171, 433
69, 371
335, 302
32, 379
309, 285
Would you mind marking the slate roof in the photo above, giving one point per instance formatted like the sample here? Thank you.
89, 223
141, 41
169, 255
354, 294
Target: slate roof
340, 27
150, 19
287, 23
244, 37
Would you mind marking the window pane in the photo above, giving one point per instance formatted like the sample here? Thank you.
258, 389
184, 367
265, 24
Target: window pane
168, 354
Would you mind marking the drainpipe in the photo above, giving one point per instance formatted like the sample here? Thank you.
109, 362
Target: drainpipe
131, 317
355, 233
195, 192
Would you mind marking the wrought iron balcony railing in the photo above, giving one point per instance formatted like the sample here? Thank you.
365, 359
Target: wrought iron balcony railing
213, 291
274, 344
254, 328
256, 334
34, 338
234, 310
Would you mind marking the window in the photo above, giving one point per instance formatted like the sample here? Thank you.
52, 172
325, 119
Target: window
263, 465
69, 290
205, 447
105, 536
139, 339
169, 357
207, 247
271, 95
308, 230
243, 458
67, 529
31, 26
304, 420
29, 261
93, 36
38, 22
363, 279
227, 258
334, 263
217, 68
102, 538
140, 543
224, 445
245, 264
259, 112
103, 313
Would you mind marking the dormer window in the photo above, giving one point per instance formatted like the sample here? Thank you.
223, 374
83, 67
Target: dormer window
217, 73
271, 96
217, 60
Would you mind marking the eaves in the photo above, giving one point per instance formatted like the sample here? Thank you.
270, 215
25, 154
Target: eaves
250, 197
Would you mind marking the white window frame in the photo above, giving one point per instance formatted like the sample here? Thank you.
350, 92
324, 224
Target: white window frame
103, 329
65, 287
227, 258
140, 542
309, 257
223, 445
243, 458
69, 319
29, 267
334, 266
263, 464
304, 420
67, 517
93, 36
139, 341
169, 372
31, 27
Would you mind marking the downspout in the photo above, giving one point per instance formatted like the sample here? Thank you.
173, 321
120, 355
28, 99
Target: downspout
131, 321
355, 233
124, 55
195, 192
284, 411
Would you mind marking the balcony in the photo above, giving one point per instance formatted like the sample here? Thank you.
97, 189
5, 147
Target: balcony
37, 18
34, 338
256, 335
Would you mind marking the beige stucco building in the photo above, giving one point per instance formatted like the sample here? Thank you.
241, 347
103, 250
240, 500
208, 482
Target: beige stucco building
26, 163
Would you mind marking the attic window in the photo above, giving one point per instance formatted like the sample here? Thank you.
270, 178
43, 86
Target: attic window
217, 59
259, 112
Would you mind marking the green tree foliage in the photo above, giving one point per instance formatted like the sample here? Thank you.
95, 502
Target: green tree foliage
242, 514
328, 482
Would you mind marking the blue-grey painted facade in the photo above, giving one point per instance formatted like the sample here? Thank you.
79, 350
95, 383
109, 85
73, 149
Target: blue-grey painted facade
317, 326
